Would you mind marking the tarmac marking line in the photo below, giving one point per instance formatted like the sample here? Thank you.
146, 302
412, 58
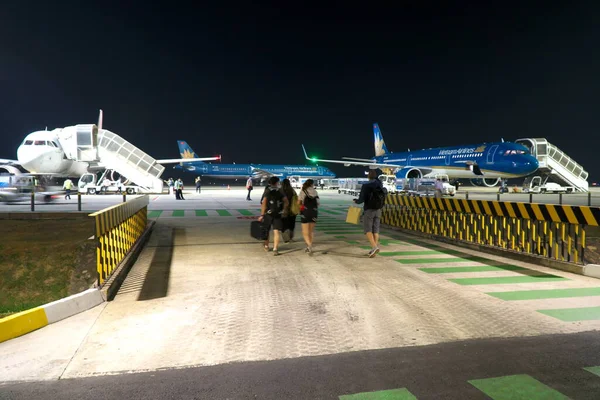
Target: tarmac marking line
593, 370
223, 213
201, 213
416, 253
546, 294
508, 279
178, 213
433, 260
516, 387
393, 394
245, 212
154, 214
574, 314
479, 268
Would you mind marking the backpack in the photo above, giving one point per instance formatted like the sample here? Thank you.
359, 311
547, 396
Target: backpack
274, 202
310, 202
294, 206
377, 198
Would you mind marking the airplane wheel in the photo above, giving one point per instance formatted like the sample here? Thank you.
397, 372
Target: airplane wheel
91, 191
130, 191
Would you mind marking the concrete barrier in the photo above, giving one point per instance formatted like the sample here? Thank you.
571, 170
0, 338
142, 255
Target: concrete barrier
69, 306
30, 320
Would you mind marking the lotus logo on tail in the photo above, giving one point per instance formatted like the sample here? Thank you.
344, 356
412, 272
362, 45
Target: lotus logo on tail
379, 143
187, 154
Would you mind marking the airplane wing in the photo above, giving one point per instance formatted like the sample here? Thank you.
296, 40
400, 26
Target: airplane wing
261, 173
357, 159
349, 162
4, 161
179, 160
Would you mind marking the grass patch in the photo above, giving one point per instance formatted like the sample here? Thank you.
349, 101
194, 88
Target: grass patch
44, 260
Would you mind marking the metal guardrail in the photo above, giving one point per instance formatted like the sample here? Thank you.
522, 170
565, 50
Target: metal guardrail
117, 229
553, 231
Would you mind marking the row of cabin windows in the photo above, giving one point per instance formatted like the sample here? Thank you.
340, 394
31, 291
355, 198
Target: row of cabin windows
40, 143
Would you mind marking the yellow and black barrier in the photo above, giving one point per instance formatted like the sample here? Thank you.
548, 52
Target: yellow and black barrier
117, 229
553, 231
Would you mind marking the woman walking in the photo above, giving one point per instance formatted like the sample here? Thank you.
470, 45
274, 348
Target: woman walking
308, 200
289, 222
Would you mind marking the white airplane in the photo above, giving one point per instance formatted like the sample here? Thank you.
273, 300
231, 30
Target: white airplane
55, 153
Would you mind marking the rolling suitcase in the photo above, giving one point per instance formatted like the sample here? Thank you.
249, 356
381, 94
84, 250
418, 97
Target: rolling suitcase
257, 231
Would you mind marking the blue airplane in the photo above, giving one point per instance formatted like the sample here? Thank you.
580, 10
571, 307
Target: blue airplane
256, 171
484, 163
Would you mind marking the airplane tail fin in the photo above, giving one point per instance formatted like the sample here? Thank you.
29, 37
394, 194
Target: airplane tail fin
380, 147
186, 151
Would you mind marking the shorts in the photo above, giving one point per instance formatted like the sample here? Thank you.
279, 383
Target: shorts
372, 221
309, 216
276, 222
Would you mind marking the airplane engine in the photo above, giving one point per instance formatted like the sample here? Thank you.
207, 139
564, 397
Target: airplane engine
10, 169
409, 172
486, 182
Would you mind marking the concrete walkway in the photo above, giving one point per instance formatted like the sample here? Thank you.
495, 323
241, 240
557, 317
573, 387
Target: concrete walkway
204, 293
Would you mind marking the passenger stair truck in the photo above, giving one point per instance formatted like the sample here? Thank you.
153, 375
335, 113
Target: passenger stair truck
103, 149
555, 164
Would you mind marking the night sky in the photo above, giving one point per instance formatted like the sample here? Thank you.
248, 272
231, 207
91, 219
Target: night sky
254, 82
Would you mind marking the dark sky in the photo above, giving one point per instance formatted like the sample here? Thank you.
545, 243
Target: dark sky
254, 82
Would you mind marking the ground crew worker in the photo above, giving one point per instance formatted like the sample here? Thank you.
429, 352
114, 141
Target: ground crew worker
249, 187
68, 185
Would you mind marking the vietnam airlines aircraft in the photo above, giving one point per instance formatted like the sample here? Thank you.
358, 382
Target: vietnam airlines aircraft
484, 163
256, 171
61, 152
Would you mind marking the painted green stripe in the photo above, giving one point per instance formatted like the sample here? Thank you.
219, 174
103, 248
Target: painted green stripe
394, 394
343, 232
340, 237
434, 260
508, 279
245, 212
574, 314
546, 294
385, 242
483, 268
593, 370
352, 242
516, 387
179, 213
330, 211
154, 214
201, 213
223, 213
415, 253
339, 229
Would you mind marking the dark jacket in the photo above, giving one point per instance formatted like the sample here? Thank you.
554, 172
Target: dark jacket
366, 190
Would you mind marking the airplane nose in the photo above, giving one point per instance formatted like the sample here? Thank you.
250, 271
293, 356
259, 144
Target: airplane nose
531, 164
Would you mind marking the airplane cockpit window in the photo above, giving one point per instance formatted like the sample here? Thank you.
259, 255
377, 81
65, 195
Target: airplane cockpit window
28, 142
40, 143
513, 152
54, 144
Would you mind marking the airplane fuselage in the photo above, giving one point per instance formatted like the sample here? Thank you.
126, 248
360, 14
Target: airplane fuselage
42, 152
489, 161
239, 171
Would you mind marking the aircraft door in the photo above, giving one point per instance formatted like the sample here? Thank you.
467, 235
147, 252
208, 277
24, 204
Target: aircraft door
409, 160
320, 171
448, 159
491, 154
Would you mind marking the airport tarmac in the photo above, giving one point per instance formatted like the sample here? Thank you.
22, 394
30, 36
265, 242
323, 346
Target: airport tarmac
212, 199
206, 313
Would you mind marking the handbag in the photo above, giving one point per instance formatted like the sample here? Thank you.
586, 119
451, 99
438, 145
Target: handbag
354, 214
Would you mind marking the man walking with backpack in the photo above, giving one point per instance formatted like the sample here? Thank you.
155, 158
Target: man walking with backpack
372, 194
274, 209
